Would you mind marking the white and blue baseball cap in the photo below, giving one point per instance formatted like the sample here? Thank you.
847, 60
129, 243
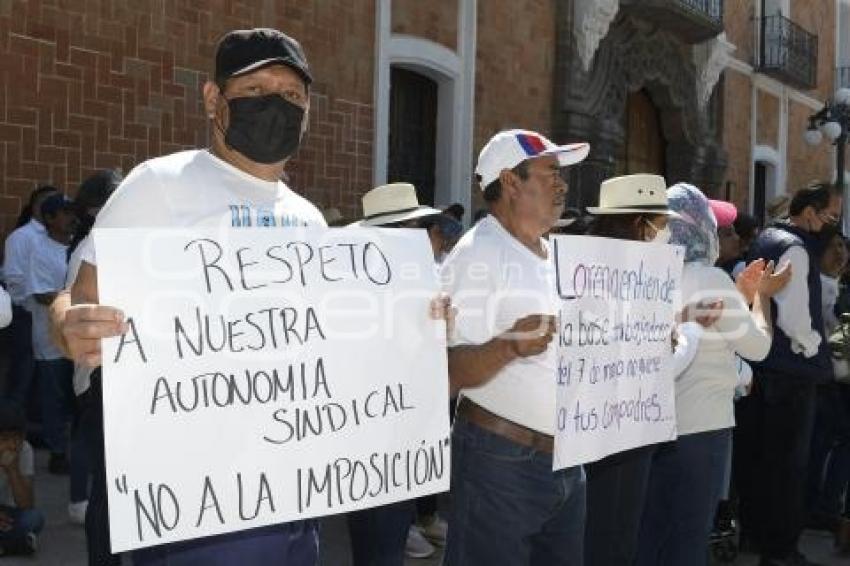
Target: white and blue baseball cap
509, 148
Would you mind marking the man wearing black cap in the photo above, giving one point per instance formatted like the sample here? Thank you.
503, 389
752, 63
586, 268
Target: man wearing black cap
257, 106
44, 278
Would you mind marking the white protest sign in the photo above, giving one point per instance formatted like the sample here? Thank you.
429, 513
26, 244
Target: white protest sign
615, 388
269, 375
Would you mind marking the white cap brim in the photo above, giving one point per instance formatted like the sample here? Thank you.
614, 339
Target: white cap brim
569, 154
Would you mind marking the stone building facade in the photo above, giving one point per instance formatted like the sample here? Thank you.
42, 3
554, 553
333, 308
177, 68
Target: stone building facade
407, 89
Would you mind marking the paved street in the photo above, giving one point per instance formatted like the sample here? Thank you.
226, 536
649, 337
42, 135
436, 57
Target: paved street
63, 544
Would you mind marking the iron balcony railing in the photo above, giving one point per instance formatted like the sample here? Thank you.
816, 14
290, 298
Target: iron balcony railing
709, 9
788, 52
694, 21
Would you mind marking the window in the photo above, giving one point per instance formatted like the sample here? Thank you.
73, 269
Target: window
413, 132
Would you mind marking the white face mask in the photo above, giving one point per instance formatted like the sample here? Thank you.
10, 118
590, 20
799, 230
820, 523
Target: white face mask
662, 236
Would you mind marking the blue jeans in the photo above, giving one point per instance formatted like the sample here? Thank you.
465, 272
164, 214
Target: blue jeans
24, 521
81, 438
56, 383
774, 437
616, 496
685, 485
508, 508
829, 462
378, 535
292, 544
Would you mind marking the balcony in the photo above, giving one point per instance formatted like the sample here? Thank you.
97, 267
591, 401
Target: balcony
788, 52
842, 77
694, 21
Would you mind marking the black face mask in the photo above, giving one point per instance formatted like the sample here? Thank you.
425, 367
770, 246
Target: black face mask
265, 129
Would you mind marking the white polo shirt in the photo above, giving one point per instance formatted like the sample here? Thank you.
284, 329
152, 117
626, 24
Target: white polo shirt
494, 280
46, 274
19, 251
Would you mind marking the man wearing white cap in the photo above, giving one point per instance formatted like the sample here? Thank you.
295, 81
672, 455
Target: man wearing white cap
508, 506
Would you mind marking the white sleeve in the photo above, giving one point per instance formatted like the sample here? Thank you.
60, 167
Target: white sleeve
76, 259
687, 344
792, 304
13, 273
5, 308
749, 338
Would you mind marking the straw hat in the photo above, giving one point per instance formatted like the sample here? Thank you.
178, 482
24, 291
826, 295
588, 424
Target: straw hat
395, 202
632, 194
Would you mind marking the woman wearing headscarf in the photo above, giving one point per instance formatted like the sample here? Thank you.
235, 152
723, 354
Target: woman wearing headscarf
686, 476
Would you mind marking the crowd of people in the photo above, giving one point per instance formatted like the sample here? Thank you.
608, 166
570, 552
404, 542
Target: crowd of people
760, 351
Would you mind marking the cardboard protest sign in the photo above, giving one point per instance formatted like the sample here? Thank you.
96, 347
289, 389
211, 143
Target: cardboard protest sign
268, 375
614, 384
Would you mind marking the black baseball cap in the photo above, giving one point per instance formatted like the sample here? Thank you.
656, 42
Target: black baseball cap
244, 50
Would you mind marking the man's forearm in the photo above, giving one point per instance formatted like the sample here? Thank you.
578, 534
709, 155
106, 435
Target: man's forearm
60, 305
473, 365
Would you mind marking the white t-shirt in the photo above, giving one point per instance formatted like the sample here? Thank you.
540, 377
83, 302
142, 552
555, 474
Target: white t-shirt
26, 465
19, 249
193, 189
706, 389
494, 280
196, 189
47, 268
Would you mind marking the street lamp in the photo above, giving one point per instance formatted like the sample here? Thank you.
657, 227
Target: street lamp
833, 123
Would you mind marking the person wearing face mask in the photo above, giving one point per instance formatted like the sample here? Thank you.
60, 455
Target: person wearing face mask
775, 422
257, 105
631, 207
687, 475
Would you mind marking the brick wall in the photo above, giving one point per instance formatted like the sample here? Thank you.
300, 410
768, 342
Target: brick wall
767, 122
818, 17
436, 21
736, 135
739, 27
805, 163
514, 71
91, 85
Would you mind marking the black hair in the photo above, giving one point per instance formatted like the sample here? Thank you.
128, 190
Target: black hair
745, 224
26, 212
95, 190
619, 226
456, 211
816, 195
493, 191
93, 193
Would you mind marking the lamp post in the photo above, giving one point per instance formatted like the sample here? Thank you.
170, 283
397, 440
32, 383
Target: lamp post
833, 123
